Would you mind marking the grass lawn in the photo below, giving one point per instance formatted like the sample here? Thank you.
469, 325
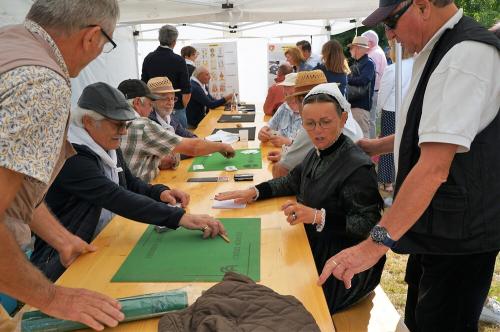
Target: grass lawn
395, 287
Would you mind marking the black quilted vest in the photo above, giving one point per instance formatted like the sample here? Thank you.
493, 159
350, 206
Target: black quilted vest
464, 214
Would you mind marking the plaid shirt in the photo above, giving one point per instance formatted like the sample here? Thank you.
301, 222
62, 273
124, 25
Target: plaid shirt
145, 145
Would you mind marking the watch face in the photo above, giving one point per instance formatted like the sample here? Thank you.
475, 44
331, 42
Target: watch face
378, 234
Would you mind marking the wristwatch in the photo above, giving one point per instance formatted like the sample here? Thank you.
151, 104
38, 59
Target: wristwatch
380, 235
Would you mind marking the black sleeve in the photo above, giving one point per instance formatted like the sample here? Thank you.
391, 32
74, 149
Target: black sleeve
284, 186
82, 177
199, 96
184, 80
360, 197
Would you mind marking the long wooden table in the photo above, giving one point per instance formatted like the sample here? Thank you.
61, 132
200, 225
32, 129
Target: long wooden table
287, 265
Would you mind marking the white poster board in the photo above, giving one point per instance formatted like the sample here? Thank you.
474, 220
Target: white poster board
275, 57
221, 61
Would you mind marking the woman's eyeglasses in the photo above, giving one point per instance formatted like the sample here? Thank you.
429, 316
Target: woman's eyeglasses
322, 123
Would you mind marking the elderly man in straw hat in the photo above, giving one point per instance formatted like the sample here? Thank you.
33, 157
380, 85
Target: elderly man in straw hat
361, 83
164, 106
96, 183
147, 143
286, 122
293, 155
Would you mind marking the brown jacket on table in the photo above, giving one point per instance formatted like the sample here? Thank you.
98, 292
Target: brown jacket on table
239, 304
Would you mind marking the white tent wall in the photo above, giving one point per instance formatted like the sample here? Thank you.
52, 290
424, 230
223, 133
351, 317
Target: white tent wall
112, 68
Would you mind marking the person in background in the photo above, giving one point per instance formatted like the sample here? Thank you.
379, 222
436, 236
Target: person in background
336, 190
334, 66
95, 184
189, 54
148, 146
286, 122
387, 106
56, 42
296, 60
202, 101
363, 76
164, 62
305, 48
292, 155
276, 93
376, 53
445, 212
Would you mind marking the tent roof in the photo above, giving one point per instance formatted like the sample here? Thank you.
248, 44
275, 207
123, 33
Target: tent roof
200, 11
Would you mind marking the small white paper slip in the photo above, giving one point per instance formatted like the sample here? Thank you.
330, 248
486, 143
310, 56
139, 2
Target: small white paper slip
198, 167
250, 151
175, 205
228, 204
230, 168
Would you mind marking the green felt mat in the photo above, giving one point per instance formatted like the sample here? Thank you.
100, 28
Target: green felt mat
183, 255
217, 162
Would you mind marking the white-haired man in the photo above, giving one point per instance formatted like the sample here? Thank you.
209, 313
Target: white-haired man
56, 41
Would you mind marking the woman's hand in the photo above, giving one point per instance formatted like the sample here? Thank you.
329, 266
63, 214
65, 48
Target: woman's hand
239, 196
299, 213
174, 196
278, 140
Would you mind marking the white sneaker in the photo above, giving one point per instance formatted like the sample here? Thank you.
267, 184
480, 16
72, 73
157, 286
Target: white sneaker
491, 312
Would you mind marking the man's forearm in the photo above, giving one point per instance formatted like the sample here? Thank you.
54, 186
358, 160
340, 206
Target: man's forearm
197, 147
18, 277
386, 144
46, 226
419, 188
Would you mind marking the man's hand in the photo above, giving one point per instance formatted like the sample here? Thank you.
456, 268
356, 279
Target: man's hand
173, 196
264, 134
90, 308
239, 196
351, 261
278, 140
377, 146
227, 150
203, 222
168, 162
228, 97
274, 156
298, 213
279, 170
73, 249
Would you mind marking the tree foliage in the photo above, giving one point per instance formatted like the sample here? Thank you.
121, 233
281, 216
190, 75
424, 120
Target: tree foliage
486, 12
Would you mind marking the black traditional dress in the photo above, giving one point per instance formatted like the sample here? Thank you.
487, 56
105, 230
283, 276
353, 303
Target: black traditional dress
342, 180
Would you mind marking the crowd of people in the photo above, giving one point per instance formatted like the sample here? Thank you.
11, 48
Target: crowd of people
65, 174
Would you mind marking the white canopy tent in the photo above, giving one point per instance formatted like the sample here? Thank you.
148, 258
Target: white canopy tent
252, 23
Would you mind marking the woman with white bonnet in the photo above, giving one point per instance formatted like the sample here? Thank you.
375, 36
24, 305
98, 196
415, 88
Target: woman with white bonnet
336, 189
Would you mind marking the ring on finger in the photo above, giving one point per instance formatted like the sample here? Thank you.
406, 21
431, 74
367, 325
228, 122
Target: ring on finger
294, 216
205, 228
334, 262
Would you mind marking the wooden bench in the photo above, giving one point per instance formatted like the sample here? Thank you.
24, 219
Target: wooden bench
374, 313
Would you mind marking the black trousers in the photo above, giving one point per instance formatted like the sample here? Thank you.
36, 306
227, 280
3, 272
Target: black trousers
447, 292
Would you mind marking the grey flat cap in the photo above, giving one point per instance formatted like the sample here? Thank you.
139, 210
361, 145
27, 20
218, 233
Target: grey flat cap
107, 101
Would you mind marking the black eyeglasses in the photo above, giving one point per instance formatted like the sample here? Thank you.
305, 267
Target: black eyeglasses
391, 22
108, 47
322, 123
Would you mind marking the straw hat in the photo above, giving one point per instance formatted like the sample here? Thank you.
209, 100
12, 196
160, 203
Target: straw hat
360, 41
161, 85
306, 80
289, 80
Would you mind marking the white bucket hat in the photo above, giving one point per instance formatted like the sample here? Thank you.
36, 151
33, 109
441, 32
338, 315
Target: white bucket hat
289, 80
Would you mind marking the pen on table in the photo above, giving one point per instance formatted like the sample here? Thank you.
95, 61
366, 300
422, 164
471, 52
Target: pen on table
224, 237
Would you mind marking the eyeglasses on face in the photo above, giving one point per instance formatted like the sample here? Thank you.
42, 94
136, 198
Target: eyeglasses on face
391, 22
120, 125
174, 99
323, 124
110, 45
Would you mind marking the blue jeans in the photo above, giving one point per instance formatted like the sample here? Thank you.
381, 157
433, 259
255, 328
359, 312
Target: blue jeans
180, 116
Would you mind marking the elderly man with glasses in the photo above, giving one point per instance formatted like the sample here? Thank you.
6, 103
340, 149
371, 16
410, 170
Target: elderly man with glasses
148, 146
446, 208
96, 183
54, 43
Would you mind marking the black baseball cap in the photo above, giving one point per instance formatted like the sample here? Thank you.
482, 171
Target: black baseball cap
385, 7
133, 88
107, 101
